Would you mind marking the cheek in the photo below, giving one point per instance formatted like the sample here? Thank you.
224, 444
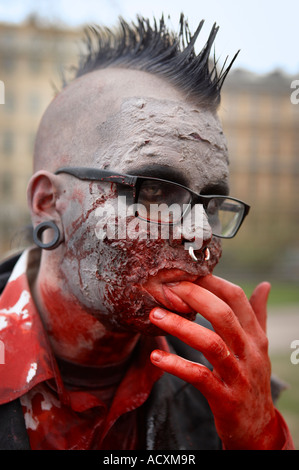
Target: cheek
106, 276
82, 248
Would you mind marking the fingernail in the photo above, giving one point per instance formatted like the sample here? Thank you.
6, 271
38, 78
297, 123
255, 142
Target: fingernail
156, 356
158, 313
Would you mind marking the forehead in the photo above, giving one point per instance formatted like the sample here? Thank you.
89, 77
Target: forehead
128, 119
157, 134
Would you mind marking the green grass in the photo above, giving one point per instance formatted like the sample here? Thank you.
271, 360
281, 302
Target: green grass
281, 293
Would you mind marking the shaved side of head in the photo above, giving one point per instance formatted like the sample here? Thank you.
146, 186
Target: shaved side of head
73, 127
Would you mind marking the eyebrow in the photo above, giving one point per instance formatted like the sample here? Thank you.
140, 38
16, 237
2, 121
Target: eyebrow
171, 174
162, 172
220, 188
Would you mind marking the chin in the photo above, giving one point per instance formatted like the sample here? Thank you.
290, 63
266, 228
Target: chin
139, 323
145, 328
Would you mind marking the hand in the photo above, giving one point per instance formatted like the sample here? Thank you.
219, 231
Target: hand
238, 389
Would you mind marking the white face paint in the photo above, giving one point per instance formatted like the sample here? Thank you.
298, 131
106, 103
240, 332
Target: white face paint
166, 133
120, 281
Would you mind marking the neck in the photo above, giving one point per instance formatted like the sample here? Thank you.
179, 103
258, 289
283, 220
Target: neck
75, 335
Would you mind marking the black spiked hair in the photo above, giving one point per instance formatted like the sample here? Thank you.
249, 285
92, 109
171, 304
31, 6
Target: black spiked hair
157, 50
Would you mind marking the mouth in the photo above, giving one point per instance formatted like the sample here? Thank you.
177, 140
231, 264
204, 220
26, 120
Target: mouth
158, 288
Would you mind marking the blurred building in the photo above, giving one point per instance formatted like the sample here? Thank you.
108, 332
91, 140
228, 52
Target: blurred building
260, 122
32, 57
262, 127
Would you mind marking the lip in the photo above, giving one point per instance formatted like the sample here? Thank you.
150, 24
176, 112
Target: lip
175, 301
157, 287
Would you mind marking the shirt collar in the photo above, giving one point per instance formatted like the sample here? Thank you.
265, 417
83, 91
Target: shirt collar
28, 358
27, 355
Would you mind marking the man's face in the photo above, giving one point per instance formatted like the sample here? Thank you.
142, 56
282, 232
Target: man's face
150, 129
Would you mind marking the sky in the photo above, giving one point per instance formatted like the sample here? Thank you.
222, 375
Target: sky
264, 30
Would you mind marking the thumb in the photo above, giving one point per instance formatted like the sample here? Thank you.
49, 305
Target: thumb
258, 301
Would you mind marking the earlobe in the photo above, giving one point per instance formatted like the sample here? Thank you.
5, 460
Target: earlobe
38, 235
42, 196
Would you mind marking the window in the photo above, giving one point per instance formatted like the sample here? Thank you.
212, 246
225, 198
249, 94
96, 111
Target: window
34, 103
8, 143
6, 185
35, 65
10, 102
8, 64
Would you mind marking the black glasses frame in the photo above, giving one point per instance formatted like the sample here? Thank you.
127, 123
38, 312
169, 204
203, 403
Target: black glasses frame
108, 176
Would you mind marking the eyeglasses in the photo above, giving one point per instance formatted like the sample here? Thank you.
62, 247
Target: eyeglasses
225, 214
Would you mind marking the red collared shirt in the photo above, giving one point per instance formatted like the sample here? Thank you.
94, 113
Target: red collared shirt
57, 417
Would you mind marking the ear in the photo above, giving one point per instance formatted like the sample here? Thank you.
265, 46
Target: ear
42, 195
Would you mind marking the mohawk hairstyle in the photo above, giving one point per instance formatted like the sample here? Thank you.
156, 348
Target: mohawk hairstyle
157, 50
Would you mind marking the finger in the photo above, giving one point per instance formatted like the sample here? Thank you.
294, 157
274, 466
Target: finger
216, 311
234, 296
258, 301
200, 338
196, 374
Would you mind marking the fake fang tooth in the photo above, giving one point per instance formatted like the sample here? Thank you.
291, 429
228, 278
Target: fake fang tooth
206, 253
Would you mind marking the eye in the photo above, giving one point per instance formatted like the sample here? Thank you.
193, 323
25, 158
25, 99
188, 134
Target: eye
150, 191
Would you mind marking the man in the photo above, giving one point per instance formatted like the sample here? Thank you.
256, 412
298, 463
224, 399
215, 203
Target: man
84, 317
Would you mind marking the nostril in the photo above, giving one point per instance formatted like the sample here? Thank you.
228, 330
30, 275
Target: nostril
206, 253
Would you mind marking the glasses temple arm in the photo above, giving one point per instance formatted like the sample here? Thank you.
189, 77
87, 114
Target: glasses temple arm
90, 174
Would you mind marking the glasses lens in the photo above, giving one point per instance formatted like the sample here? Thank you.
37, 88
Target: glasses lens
162, 202
225, 216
